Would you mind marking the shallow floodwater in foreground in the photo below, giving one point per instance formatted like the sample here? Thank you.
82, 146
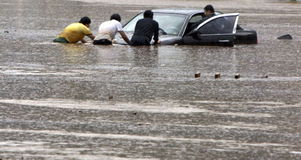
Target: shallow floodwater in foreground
80, 101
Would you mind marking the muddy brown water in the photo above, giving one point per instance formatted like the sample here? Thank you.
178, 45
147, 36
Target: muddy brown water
123, 103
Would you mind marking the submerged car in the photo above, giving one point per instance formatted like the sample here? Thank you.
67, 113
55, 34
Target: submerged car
175, 28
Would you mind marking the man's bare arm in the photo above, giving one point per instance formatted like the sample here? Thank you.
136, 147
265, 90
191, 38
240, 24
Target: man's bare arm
124, 37
91, 36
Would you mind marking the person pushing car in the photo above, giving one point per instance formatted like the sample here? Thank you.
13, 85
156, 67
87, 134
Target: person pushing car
107, 31
145, 29
76, 32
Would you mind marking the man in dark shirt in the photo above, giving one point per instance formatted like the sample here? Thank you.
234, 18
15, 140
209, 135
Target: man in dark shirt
145, 29
209, 12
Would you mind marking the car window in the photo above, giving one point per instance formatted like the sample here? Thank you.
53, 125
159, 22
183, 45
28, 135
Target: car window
196, 18
169, 23
130, 26
219, 25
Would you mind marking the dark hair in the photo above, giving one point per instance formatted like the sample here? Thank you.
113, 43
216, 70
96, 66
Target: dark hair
209, 8
148, 14
85, 20
116, 17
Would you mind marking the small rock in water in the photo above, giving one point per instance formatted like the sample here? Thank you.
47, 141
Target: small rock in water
237, 76
265, 76
6, 31
286, 36
217, 75
197, 75
110, 97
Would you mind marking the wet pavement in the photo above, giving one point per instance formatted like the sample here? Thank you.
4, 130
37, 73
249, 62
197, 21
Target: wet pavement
119, 102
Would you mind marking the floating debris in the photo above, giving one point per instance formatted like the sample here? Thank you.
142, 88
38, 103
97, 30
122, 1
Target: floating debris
197, 75
285, 37
217, 75
6, 31
265, 76
237, 76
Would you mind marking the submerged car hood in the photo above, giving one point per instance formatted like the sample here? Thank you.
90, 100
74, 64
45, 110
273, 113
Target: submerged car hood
170, 39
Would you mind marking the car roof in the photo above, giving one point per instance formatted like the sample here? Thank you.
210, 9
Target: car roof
185, 11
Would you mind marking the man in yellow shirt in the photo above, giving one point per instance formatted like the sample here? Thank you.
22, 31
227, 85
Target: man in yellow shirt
76, 32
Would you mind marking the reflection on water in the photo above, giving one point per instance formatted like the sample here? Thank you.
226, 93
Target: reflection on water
123, 67
145, 56
293, 1
78, 54
80, 101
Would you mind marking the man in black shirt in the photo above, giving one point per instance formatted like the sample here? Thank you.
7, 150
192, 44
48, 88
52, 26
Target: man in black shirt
145, 29
208, 12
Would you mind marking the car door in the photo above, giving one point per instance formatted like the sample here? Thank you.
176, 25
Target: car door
217, 30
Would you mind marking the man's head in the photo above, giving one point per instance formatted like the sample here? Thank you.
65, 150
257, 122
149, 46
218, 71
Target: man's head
85, 21
148, 14
209, 10
116, 17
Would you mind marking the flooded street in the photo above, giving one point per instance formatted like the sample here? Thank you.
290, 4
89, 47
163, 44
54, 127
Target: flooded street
85, 102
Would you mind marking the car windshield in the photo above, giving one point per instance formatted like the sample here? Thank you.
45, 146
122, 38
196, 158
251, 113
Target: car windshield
171, 24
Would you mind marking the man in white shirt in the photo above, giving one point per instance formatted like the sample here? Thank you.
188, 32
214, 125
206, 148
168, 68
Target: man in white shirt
107, 31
